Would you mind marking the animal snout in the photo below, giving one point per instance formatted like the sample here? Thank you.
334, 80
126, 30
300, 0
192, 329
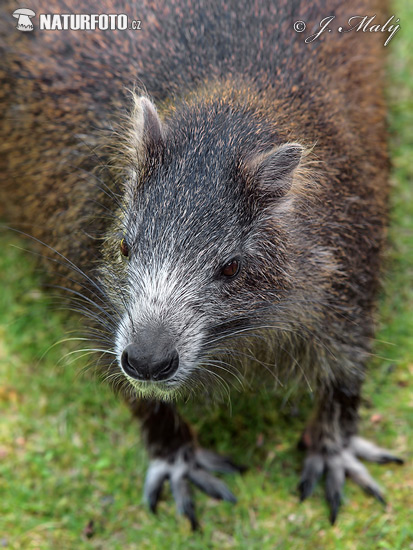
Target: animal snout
141, 363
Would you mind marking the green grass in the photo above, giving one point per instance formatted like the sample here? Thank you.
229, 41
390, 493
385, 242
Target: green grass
69, 452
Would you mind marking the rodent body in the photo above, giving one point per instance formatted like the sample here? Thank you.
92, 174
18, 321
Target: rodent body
268, 156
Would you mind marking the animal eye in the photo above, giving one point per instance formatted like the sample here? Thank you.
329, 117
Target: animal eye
231, 269
124, 247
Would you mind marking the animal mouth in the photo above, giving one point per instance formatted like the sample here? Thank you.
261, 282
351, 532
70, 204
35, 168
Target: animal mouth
150, 389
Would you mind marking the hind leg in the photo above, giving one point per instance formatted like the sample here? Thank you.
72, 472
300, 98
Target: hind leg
334, 448
175, 456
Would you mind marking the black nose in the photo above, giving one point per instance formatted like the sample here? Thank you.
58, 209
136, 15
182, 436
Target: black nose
141, 366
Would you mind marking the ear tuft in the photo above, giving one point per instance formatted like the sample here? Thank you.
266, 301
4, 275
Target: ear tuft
273, 170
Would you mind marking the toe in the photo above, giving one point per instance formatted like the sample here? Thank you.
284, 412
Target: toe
360, 475
369, 451
312, 471
213, 462
183, 498
155, 478
212, 486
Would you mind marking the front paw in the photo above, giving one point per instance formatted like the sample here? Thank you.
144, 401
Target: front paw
188, 464
338, 464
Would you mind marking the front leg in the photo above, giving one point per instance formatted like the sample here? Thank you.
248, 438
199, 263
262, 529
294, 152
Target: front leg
175, 455
334, 448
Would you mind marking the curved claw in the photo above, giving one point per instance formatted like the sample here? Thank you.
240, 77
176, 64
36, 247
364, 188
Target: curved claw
312, 471
188, 464
335, 478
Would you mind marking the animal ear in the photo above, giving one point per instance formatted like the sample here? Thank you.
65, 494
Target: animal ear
147, 127
273, 171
